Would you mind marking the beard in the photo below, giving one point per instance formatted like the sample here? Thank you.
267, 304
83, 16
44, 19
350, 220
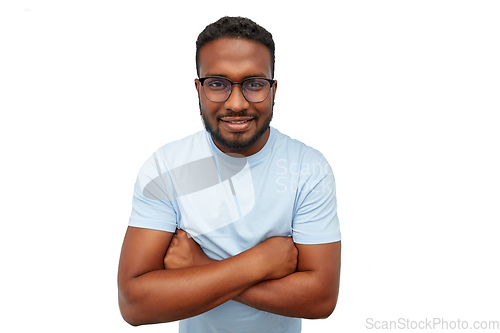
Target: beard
237, 141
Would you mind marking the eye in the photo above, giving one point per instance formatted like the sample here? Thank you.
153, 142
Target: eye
255, 84
216, 84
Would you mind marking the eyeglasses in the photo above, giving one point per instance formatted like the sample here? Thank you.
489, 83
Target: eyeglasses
218, 89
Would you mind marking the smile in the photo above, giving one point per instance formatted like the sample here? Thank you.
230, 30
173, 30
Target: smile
237, 124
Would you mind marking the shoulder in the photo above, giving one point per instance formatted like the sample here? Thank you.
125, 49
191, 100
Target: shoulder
185, 150
306, 166
173, 154
296, 150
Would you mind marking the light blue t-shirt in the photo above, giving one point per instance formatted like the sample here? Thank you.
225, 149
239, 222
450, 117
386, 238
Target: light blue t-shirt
229, 204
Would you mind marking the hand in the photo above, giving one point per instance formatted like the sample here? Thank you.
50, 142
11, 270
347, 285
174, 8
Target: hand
280, 257
184, 252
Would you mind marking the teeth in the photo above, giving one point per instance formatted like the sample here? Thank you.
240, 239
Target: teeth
236, 122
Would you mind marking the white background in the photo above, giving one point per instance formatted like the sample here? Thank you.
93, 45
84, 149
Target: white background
402, 97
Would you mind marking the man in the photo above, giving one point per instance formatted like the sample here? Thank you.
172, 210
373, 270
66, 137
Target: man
208, 241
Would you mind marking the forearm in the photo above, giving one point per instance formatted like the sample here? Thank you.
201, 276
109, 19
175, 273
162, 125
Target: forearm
296, 295
169, 295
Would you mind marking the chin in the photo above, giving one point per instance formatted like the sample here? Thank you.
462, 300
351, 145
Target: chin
238, 140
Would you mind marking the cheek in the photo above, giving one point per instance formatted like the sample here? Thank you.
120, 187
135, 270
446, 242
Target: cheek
265, 109
209, 109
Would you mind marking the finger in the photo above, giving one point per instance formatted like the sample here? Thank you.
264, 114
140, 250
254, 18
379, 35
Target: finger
182, 233
174, 241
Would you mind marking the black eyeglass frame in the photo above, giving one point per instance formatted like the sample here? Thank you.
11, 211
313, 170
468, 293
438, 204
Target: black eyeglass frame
202, 80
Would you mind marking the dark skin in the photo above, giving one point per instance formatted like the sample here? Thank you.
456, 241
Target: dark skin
164, 277
236, 59
149, 293
310, 292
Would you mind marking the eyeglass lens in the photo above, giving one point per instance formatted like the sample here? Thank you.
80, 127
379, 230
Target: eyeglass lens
254, 89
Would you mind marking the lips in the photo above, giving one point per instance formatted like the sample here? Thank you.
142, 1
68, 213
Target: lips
237, 124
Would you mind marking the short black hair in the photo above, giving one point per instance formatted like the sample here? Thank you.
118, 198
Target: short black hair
235, 27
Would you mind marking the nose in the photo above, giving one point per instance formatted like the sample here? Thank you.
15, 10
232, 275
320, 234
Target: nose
236, 101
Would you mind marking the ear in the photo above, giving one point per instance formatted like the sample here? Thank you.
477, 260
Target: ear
275, 87
196, 83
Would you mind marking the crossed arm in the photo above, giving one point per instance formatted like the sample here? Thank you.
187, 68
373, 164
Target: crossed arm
275, 276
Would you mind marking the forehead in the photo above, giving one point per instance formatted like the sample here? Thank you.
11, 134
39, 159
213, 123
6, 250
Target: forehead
235, 58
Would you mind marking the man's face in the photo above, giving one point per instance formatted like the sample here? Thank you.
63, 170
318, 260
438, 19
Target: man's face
236, 59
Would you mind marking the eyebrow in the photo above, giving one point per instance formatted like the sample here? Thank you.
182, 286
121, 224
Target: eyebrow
249, 76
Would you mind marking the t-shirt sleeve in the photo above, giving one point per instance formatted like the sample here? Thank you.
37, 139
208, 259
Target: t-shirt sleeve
315, 218
152, 202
